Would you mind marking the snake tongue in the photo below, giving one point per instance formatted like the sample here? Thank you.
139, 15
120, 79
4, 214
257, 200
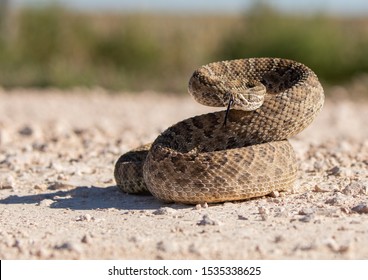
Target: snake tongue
231, 101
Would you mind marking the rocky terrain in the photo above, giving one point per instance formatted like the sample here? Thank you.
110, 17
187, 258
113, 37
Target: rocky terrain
58, 198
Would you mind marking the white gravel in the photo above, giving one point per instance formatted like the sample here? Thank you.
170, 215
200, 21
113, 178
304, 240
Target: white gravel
58, 199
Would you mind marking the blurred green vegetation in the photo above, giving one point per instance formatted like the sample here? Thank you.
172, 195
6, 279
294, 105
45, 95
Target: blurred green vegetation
336, 49
56, 47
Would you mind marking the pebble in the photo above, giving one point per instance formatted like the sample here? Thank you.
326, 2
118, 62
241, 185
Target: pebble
26, 131
337, 199
204, 205
318, 165
356, 188
334, 171
264, 212
335, 247
345, 210
87, 239
60, 186
7, 183
86, 217
306, 218
243, 218
206, 220
4, 137
166, 246
279, 238
41, 187
70, 246
306, 211
274, 194
361, 208
42, 253
164, 211
45, 203
319, 188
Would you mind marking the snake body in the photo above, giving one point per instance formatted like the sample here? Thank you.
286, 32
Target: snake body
222, 156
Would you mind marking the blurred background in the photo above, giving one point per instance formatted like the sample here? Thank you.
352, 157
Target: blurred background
155, 45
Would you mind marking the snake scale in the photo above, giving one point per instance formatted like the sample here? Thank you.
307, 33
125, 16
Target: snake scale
235, 154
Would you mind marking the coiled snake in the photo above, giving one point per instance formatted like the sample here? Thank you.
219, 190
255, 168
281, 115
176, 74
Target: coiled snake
239, 153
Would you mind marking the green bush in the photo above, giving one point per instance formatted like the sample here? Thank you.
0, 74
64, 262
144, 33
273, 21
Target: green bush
56, 47
335, 50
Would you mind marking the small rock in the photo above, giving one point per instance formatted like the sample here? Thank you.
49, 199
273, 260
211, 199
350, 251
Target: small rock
41, 187
42, 253
356, 188
86, 217
62, 177
41, 147
331, 243
337, 199
200, 206
318, 188
166, 246
68, 246
361, 208
332, 201
243, 218
26, 131
334, 171
274, 194
161, 246
164, 211
306, 211
4, 137
206, 220
279, 238
306, 247
18, 243
336, 248
306, 218
7, 183
264, 212
60, 186
86, 239
193, 249
177, 229
318, 166
345, 210
45, 203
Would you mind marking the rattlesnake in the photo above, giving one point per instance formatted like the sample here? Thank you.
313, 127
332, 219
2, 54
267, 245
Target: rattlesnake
236, 154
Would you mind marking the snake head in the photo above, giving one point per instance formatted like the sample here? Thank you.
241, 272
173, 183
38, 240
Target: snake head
247, 96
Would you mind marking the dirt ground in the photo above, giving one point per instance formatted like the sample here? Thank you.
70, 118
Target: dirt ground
58, 199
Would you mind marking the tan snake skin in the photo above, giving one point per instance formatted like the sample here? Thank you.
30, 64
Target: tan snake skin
202, 159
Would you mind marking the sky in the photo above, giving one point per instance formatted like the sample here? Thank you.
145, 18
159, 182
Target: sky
339, 7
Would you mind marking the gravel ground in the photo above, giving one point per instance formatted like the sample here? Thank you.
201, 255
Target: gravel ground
58, 199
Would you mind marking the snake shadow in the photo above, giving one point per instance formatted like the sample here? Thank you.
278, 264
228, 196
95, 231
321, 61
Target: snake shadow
89, 198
